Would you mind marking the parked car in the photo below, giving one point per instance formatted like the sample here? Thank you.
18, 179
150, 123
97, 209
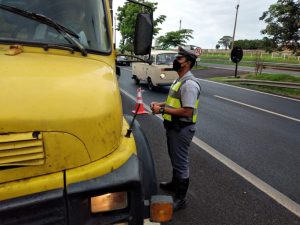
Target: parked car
123, 61
159, 73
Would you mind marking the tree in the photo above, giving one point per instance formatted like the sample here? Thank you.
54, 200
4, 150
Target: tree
269, 45
175, 38
225, 41
250, 44
218, 46
265, 44
283, 24
126, 16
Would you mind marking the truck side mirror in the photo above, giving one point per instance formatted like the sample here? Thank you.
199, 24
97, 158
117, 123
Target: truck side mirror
143, 34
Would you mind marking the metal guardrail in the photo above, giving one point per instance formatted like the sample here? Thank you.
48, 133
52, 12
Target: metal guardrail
278, 66
267, 83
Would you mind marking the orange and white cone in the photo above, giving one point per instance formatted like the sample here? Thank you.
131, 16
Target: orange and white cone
139, 106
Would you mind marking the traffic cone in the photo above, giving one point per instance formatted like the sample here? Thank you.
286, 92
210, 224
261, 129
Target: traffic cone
139, 106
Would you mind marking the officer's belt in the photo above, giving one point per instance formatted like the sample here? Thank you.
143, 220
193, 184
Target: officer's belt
176, 125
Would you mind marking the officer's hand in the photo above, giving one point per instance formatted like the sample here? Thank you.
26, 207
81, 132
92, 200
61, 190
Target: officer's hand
155, 109
152, 105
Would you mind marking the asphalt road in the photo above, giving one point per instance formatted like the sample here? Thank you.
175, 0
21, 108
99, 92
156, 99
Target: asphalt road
258, 132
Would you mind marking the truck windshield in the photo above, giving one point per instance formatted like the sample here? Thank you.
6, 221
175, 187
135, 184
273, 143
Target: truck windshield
165, 59
86, 18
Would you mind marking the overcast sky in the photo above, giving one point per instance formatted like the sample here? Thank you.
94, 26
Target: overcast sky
211, 19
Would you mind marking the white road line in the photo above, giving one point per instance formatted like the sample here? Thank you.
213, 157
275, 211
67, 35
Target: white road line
282, 199
246, 89
132, 98
129, 70
254, 107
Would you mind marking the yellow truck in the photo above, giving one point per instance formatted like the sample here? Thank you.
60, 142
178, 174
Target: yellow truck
66, 156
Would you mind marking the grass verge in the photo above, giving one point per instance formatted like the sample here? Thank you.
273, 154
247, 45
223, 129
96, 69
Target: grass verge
273, 77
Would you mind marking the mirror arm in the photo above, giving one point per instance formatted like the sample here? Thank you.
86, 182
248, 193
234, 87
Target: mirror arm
152, 39
139, 3
140, 59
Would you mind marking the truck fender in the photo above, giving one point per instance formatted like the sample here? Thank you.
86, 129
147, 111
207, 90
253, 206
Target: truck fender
147, 167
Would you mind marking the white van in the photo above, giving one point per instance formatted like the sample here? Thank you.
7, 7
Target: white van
159, 73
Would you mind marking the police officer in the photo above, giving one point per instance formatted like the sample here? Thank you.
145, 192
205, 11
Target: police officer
180, 116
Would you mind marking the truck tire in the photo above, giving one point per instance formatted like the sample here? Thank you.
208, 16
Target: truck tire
146, 159
136, 80
150, 84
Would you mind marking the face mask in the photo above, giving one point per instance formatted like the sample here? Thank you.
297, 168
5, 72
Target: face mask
176, 65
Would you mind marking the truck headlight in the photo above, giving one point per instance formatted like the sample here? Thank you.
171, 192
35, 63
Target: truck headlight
109, 202
163, 76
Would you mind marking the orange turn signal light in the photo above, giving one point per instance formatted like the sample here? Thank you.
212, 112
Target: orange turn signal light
109, 202
161, 208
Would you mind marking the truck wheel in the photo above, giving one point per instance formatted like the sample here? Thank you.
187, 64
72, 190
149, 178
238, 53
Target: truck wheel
146, 159
136, 80
150, 84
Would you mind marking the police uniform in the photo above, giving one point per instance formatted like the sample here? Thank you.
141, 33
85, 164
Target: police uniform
184, 93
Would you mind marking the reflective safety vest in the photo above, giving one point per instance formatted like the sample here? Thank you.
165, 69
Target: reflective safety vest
174, 101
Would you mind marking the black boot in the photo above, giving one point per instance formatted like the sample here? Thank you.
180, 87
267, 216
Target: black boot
169, 186
180, 194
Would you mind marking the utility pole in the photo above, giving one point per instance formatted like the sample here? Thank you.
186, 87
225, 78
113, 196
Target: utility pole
180, 21
235, 22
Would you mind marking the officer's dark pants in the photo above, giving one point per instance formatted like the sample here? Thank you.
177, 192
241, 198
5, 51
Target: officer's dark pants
179, 141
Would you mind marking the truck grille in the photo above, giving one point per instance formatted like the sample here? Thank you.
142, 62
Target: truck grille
47, 208
21, 149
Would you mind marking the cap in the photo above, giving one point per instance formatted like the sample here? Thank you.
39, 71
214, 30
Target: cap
189, 53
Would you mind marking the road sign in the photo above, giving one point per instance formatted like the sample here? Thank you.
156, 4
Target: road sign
236, 54
198, 51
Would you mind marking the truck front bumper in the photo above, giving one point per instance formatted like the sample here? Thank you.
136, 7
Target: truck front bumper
72, 205
125, 179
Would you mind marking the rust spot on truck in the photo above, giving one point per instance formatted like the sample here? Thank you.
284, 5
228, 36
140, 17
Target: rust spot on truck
14, 50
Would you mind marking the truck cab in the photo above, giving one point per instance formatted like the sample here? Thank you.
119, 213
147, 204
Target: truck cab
65, 157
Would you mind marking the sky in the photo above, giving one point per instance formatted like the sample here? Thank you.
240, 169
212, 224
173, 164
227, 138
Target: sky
210, 19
